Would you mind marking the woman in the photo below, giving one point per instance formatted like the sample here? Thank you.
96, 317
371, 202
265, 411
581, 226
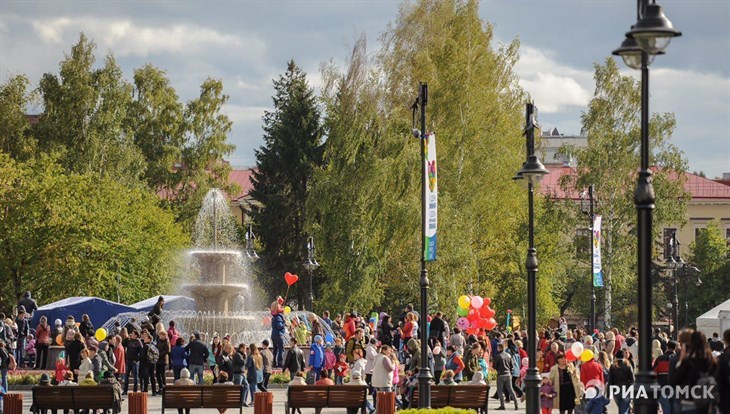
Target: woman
409, 327
621, 374
178, 358
254, 369
439, 360
119, 355
317, 328
695, 362
43, 341
453, 363
164, 349
213, 353
605, 364
385, 331
238, 362
656, 350
85, 366
565, 379
184, 380
73, 354
610, 344
172, 333
383, 370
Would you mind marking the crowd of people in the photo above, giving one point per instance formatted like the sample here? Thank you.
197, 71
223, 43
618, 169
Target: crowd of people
383, 353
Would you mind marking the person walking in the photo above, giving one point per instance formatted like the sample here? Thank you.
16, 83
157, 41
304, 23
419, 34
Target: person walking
503, 366
254, 370
268, 358
695, 366
294, 361
723, 375
564, 377
621, 375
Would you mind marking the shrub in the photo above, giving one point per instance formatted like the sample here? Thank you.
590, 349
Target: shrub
23, 379
279, 378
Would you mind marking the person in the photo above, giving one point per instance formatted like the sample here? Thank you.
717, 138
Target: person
85, 366
337, 325
453, 363
197, 356
609, 345
225, 362
356, 341
223, 379
371, 353
42, 343
178, 358
106, 364
214, 353
294, 361
437, 330
471, 363
2, 395
88, 380
564, 377
147, 362
503, 366
184, 380
57, 329
96, 363
551, 357
656, 350
132, 356
661, 367
28, 303
723, 375
414, 345
238, 363
547, 394
316, 357
439, 360
163, 349
382, 379
155, 314
409, 328
120, 363
359, 364
622, 375
108, 379
385, 331
349, 326
172, 333
61, 368
278, 332
254, 370
597, 404
458, 341
478, 379
324, 380
298, 379
4, 364
23, 329
330, 360
715, 343
695, 366
356, 379
341, 369
591, 373
268, 358
73, 353
86, 328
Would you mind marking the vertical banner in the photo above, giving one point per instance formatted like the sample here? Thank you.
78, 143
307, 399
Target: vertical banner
431, 193
597, 273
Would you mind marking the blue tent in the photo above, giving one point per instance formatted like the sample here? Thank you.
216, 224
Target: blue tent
172, 303
99, 310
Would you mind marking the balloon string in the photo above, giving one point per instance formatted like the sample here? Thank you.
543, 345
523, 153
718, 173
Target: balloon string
287, 293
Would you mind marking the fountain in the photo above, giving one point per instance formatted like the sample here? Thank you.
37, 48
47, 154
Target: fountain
216, 280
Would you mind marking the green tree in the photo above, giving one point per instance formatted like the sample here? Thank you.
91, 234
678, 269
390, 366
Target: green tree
292, 136
610, 162
15, 137
84, 114
709, 253
69, 234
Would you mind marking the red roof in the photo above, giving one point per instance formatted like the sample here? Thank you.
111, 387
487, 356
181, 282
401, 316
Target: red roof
698, 187
243, 179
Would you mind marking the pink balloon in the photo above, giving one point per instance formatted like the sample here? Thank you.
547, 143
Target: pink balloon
462, 323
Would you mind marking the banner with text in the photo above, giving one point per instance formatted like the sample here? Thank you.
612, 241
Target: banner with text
597, 273
430, 191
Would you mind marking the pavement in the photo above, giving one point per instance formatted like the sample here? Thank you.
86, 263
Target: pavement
154, 404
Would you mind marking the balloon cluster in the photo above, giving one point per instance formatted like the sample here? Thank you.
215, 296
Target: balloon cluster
475, 314
576, 351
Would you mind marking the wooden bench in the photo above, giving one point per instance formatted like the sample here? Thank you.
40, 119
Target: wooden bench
325, 396
474, 397
100, 397
202, 396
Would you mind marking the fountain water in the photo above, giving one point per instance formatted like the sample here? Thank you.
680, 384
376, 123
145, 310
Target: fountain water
217, 282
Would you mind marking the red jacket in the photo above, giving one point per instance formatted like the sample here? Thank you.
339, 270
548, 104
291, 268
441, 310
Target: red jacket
591, 371
349, 328
549, 360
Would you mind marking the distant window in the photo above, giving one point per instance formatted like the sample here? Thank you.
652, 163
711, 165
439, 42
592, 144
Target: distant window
667, 238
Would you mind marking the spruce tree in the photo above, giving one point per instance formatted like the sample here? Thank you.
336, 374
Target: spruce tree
285, 164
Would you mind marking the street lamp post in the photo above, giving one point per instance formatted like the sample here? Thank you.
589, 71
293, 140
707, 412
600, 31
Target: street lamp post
589, 212
648, 37
311, 265
530, 174
686, 270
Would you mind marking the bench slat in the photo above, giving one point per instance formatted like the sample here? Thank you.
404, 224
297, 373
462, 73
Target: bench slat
78, 397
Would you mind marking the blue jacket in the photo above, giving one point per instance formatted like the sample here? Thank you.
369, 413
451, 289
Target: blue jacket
278, 326
316, 356
253, 375
178, 356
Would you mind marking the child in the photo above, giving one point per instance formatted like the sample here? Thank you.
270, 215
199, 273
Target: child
547, 393
30, 349
330, 360
447, 378
61, 368
339, 349
521, 379
598, 403
341, 369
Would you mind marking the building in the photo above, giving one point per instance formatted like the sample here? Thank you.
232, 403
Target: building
550, 143
241, 203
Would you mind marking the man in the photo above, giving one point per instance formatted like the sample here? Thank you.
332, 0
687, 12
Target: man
715, 342
133, 353
457, 341
28, 303
357, 341
326, 318
337, 325
96, 362
723, 375
503, 366
23, 329
268, 359
294, 361
661, 367
197, 356
437, 329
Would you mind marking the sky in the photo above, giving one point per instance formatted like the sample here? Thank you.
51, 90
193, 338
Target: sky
247, 45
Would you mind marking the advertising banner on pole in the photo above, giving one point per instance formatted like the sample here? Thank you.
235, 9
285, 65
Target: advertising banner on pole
597, 271
430, 191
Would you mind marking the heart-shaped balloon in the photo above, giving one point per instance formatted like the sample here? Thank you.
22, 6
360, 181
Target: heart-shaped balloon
491, 324
290, 278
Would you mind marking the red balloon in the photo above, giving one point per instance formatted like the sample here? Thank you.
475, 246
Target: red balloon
569, 355
473, 315
279, 300
266, 321
491, 324
290, 278
487, 312
472, 331
487, 301
482, 323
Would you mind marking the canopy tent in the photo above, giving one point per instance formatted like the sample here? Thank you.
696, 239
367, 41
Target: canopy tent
711, 320
99, 310
172, 303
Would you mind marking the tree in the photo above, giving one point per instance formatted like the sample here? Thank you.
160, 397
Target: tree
71, 234
366, 198
292, 136
610, 163
711, 254
15, 138
84, 116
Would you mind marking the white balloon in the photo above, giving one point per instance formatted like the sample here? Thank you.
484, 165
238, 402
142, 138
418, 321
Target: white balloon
577, 348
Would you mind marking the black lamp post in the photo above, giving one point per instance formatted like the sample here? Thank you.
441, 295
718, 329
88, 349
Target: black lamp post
311, 265
648, 37
687, 272
530, 174
251, 254
588, 210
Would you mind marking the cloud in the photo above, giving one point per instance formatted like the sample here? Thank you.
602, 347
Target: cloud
244, 114
554, 86
128, 38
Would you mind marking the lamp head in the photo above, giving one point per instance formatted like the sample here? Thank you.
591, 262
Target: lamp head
654, 30
533, 170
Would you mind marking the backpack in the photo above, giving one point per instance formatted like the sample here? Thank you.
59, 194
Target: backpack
153, 354
706, 381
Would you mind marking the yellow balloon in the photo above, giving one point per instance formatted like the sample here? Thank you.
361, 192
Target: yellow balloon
586, 356
287, 310
100, 334
464, 301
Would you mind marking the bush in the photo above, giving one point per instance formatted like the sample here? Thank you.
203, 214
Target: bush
279, 378
23, 379
446, 410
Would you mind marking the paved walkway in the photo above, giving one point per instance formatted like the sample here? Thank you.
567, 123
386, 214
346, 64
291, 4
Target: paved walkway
154, 405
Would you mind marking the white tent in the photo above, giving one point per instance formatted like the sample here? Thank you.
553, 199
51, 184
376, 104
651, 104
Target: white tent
716, 319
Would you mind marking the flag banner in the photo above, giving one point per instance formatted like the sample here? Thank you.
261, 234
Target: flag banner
430, 191
597, 273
